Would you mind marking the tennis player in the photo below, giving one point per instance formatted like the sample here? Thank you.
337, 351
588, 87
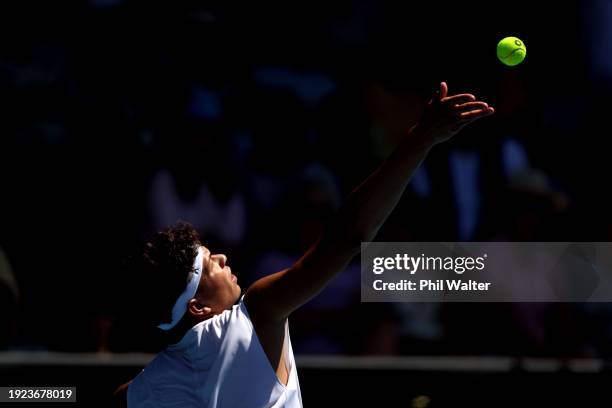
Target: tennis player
228, 350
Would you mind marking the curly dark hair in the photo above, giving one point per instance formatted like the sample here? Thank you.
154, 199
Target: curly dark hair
164, 266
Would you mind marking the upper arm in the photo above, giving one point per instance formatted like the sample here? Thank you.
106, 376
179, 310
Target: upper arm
275, 296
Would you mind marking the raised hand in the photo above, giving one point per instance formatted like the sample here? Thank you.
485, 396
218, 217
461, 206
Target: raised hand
446, 115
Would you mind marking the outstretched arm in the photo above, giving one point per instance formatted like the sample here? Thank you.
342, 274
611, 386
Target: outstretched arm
275, 296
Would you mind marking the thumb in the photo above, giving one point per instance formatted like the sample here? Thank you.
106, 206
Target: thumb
443, 92
440, 93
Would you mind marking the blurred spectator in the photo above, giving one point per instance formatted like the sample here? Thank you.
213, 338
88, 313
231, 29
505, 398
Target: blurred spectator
199, 184
531, 208
9, 301
597, 25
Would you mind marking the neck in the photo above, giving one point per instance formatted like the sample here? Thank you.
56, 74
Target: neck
175, 334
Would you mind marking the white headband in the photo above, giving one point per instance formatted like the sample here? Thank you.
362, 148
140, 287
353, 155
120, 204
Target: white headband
180, 307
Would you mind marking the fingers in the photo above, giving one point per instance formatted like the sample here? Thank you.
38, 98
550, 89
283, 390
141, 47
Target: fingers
476, 114
469, 106
462, 108
471, 110
458, 99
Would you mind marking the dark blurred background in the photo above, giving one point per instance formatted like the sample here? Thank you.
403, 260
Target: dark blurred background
254, 121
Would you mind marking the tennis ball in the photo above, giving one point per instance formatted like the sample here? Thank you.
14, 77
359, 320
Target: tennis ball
511, 51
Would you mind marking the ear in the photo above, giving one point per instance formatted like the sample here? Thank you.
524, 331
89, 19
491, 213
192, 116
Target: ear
198, 310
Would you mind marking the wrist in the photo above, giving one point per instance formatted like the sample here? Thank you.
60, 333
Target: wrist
420, 140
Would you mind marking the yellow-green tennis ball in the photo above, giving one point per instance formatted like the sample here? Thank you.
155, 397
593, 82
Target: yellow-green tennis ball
511, 51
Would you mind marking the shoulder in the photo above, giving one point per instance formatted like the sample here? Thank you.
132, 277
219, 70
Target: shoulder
206, 334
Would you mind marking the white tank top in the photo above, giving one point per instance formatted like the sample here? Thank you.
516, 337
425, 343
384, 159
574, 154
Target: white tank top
218, 363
